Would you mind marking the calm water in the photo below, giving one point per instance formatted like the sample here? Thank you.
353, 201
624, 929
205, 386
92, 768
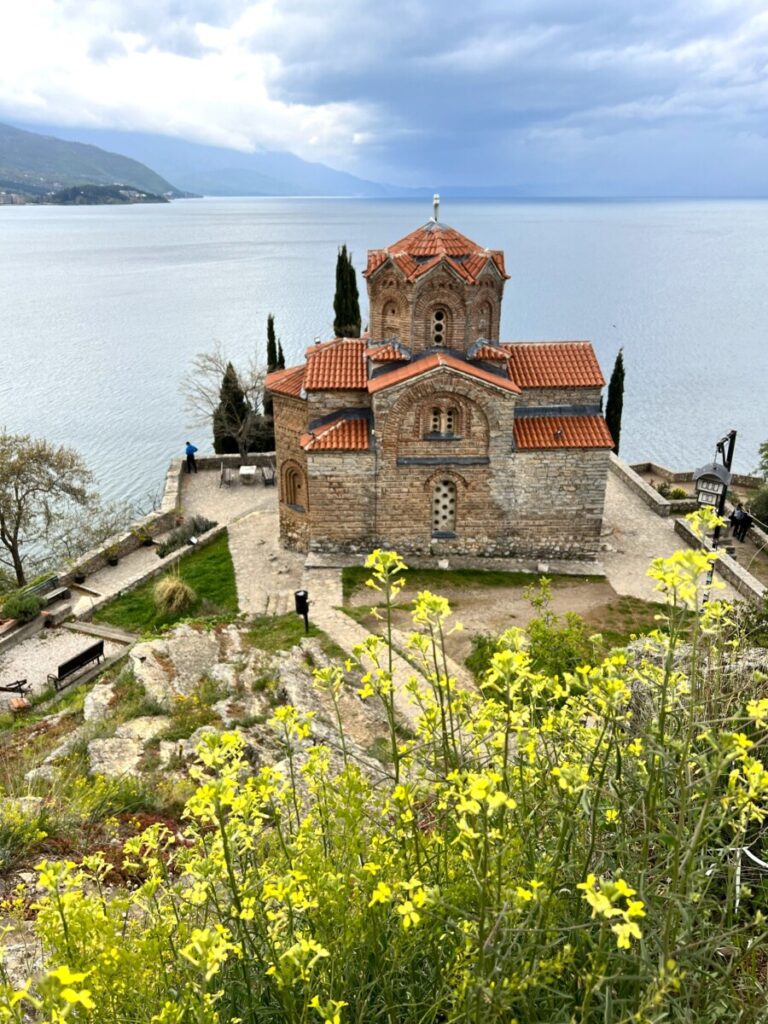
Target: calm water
103, 308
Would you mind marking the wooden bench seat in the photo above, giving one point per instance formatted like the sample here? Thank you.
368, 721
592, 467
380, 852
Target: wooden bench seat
68, 668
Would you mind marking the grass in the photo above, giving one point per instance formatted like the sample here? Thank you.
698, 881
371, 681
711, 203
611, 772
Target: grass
353, 578
275, 633
208, 571
623, 618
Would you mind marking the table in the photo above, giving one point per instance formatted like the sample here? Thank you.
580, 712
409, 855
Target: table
248, 474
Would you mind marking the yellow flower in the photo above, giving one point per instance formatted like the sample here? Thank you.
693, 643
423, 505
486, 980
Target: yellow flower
381, 894
409, 913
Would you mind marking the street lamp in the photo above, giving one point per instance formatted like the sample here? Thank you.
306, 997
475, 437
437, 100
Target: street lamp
712, 487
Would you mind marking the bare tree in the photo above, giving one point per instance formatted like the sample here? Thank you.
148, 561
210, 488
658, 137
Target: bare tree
208, 392
39, 485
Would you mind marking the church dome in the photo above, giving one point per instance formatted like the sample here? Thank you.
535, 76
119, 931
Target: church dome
429, 245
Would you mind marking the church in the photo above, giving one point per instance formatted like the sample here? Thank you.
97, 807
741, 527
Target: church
429, 434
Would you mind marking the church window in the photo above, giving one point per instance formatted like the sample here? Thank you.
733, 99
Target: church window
444, 507
442, 421
293, 488
438, 327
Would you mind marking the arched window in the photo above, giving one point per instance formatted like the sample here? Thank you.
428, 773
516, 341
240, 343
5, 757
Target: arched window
442, 420
293, 488
439, 326
390, 320
444, 507
484, 321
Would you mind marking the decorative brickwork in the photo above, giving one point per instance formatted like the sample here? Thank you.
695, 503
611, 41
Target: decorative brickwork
443, 440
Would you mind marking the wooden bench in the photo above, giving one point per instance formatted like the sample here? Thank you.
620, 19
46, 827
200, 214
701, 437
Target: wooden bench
52, 596
68, 668
268, 475
20, 686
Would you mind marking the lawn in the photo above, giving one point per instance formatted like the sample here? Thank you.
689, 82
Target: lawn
210, 573
353, 579
275, 633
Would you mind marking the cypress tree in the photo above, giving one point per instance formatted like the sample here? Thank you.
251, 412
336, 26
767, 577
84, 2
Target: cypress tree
280, 357
346, 306
615, 402
271, 362
271, 344
230, 414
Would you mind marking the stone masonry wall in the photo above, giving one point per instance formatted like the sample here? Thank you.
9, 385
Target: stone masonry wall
323, 403
559, 396
341, 496
290, 422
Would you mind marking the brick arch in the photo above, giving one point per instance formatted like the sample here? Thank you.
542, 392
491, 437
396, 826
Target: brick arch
419, 398
386, 324
446, 473
433, 295
293, 485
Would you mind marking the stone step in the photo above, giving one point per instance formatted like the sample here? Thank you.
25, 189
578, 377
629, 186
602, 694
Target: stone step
120, 636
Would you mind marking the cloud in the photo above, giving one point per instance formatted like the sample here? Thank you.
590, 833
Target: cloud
538, 91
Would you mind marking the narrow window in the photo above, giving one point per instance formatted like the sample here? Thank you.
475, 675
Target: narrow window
444, 507
438, 327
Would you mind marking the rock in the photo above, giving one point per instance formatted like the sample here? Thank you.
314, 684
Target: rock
175, 665
97, 702
144, 728
233, 710
115, 757
44, 773
27, 806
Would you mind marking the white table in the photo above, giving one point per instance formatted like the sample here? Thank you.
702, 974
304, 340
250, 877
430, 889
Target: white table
248, 474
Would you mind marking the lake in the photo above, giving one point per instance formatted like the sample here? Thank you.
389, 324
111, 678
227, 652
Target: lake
102, 310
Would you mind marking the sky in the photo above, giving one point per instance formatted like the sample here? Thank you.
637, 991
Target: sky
565, 97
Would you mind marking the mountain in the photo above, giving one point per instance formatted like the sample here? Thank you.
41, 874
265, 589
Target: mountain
214, 171
35, 164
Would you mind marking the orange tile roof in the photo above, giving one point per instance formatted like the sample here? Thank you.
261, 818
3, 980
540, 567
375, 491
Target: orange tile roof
337, 365
429, 245
386, 354
340, 435
490, 352
562, 432
286, 382
432, 362
547, 364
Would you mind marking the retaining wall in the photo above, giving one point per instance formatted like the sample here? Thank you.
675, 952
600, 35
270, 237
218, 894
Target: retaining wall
742, 581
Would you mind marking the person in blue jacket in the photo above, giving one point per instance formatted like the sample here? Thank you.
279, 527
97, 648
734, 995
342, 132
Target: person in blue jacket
191, 464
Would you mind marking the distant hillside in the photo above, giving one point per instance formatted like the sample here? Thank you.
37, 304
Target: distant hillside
37, 164
214, 171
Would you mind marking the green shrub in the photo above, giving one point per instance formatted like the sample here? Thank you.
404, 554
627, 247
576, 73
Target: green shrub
678, 494
758, 506
21, 606
183, 534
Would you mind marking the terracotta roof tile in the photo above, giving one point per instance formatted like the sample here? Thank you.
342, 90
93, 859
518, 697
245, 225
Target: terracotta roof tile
386, 354
432, 362
548, 364
286, 382
562, 432
490, 353
336, 366
340, 435
427, 246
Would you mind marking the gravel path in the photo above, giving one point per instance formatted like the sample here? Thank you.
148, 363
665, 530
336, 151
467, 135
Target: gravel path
33, 659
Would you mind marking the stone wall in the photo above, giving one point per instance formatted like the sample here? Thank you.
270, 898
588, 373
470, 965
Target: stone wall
742, 581
290, 415
532, 397
323, 403
341, 496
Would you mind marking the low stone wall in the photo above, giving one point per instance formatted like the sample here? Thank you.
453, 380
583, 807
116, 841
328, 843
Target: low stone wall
161, 521
740, 479
158, 570
742, 581
651, 497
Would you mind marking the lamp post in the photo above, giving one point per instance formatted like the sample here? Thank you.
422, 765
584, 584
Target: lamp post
712, 487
